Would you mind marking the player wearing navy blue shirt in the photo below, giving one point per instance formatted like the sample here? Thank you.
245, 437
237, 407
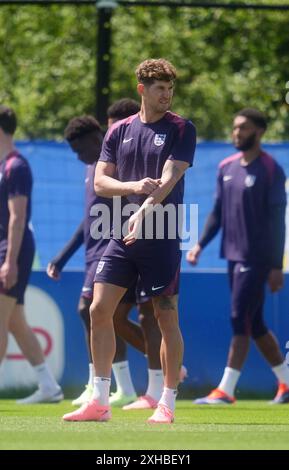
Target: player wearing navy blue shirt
250, 209
84, 136
143, 160
16, 257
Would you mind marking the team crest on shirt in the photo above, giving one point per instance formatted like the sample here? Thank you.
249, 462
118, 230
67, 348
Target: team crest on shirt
160, 139
100, 267
250, 181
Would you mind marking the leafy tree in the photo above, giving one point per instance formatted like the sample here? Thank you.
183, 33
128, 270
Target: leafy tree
225, 59
47, 66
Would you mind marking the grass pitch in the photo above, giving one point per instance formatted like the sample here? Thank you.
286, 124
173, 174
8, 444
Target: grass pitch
245, 425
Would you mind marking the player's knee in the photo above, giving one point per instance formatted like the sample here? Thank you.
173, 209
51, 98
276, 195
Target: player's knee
98, 314
141, 319
149, 322
146, 315
120, 324
83, 309
146, 309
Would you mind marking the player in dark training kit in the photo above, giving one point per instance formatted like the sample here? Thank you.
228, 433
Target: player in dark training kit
143, 159
250, 208
16, 258
84, 136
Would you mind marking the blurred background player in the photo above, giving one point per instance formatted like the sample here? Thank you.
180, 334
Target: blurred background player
16, 257
85, 138
250, 208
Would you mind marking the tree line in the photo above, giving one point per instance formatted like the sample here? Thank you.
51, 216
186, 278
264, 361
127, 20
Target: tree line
225, 59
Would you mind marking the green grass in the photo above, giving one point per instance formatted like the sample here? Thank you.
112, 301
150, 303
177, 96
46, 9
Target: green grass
246, 425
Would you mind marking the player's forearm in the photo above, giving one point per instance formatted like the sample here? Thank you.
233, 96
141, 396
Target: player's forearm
157, 196
70, 248
15, 236
168, 182
108, 187
277, 222
212, 226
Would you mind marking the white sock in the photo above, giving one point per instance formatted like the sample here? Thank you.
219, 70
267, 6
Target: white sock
101, 386
45, 379
282, 373
155, 384
229, 381
91, 374
168, 398
123, 378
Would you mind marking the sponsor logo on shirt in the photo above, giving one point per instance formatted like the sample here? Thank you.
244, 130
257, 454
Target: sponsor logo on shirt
227, 177
100, 267
125, 141
159, 139
250, 181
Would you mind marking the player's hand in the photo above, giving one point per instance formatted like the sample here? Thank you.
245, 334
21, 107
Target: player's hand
146, 186
193, 254
275, 280
52, 271
134, 228
8, 274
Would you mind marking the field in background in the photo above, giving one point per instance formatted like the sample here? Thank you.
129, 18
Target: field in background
246, 425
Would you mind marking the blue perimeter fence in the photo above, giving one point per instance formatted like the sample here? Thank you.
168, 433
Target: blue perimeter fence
58, 200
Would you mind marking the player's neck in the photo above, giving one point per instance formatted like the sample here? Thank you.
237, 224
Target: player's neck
249, 156
6, 146
148, 115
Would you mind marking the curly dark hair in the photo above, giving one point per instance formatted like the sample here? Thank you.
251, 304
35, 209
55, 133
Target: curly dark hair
155, 69
79, 126
8, 120
122, 109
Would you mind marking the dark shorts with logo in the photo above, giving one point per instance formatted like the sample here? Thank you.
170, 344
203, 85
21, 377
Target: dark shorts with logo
87, 288
134, 295
247, 284
155, 262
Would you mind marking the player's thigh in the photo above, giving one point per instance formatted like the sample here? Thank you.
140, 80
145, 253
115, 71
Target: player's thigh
17, 321
122, 311
84, 304
248, 288
159, 267
106, 298
7, 305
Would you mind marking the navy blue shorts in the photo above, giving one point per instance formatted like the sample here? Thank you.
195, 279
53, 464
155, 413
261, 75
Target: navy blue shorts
87, 288
156, 262
25, 261
134, 295
248, 293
